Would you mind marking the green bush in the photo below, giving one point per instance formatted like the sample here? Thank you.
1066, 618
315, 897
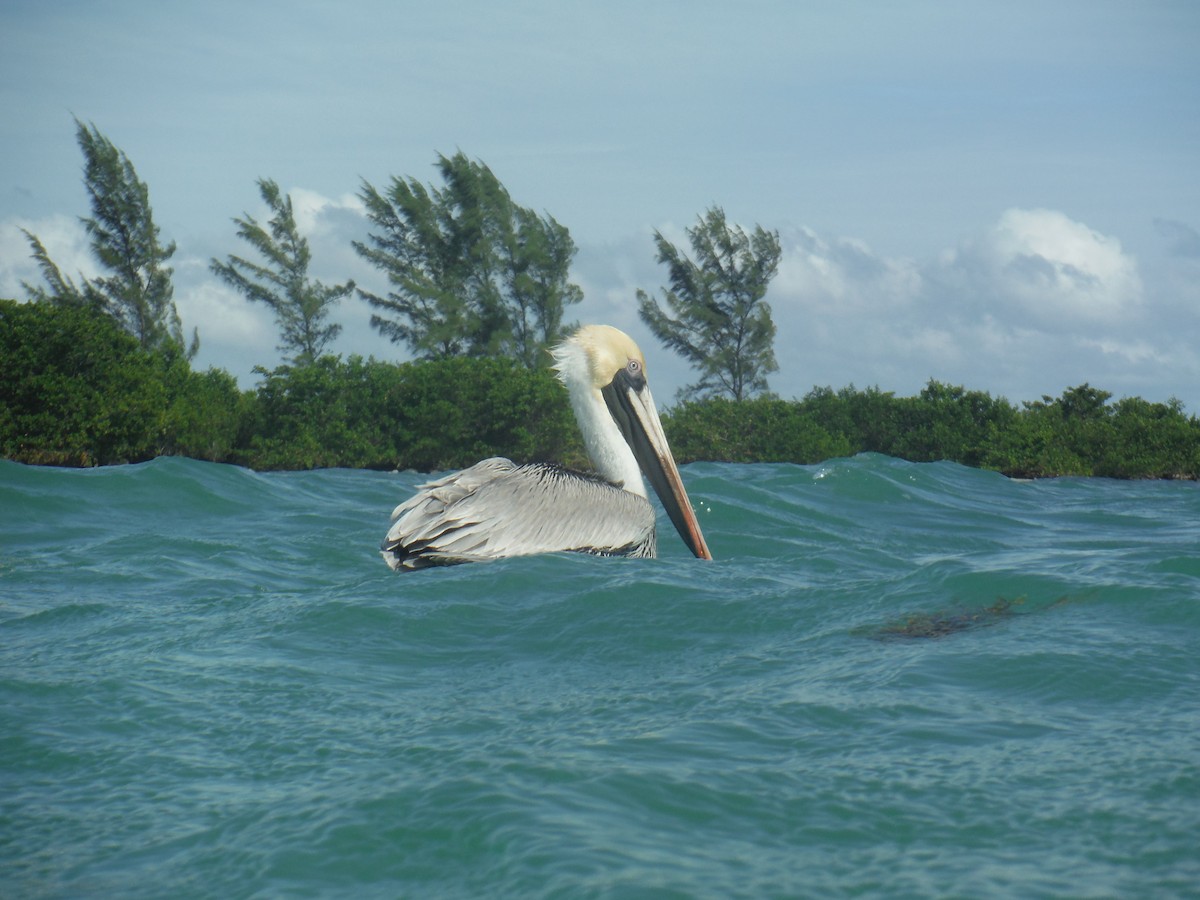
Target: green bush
207, 416
765, 429
1151, 440
1079, 433
75, 390
949, 422
424, 415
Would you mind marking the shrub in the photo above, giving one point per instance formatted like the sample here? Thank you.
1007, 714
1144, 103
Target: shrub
75, 390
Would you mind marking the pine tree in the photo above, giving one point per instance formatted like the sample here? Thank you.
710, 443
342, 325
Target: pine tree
717, 318
537, 253
125, 241
301, 304
60, 290
472, 273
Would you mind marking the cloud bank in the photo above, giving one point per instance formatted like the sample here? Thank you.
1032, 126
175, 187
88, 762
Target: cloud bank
1032, 304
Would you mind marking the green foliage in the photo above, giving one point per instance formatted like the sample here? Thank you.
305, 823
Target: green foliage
1080, 434
717, 319
1075, 434
125, 241
75, 390
60, 289
97, 372
1151, 440
472, 273
456, 412
426, 415
301, 304
300, 419
207, 416
1039, 444
765, 429
949, 422
868, 420
536, 254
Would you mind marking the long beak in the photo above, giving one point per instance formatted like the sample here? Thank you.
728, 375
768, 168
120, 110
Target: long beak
632, 408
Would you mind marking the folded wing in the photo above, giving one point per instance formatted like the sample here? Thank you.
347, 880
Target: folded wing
496, 509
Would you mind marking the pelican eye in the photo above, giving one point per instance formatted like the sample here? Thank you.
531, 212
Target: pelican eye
634, 374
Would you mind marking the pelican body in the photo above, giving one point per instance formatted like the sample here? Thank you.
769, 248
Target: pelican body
496, 508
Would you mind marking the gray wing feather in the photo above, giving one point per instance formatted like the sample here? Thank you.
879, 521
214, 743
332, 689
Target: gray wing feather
496, 509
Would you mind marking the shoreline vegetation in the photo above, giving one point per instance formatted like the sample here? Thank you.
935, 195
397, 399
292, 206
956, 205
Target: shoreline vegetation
98, 371
76, 390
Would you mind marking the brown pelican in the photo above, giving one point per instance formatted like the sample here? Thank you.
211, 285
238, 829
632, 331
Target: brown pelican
497, 508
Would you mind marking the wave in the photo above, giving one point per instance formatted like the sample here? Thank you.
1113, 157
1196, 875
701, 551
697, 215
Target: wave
893, 677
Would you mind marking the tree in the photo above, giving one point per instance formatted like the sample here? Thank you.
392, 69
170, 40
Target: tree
61, 291
301, 304
717, 318
472, 273
75, 388
125, 241
537, 256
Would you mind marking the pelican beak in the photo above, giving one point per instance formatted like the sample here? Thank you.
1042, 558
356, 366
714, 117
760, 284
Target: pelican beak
629, 401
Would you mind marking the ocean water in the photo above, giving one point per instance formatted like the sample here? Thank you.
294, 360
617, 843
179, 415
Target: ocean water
895, 680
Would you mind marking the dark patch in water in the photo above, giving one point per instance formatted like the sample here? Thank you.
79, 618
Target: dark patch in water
943, 622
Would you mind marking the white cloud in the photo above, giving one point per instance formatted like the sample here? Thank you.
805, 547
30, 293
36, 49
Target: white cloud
1034, 304
235, 334
1135, 351
841, 276
312, 210
1039, 266
224, 316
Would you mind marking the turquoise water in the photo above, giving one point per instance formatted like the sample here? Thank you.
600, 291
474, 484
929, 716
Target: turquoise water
896, 680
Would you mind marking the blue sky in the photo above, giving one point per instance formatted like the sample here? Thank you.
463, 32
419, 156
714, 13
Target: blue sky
999, 195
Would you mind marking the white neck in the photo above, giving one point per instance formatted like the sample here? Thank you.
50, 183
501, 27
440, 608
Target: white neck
606, 446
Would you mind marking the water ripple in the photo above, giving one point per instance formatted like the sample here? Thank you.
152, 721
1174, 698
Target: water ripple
894, 679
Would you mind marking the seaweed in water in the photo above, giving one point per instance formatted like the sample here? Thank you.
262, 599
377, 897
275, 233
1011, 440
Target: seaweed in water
941, 623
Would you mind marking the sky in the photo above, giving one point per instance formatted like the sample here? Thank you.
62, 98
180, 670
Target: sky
999, 195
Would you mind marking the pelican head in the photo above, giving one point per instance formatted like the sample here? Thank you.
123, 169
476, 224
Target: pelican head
605, 375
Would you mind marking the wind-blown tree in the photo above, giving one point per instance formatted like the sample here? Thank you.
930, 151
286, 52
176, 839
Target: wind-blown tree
471, 272
301, 304
60, 289
716, 317
125, 241
537, 254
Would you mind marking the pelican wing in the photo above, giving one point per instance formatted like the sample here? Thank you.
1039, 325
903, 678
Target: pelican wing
496, 509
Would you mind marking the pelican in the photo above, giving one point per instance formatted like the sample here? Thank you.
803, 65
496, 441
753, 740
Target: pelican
496, 508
